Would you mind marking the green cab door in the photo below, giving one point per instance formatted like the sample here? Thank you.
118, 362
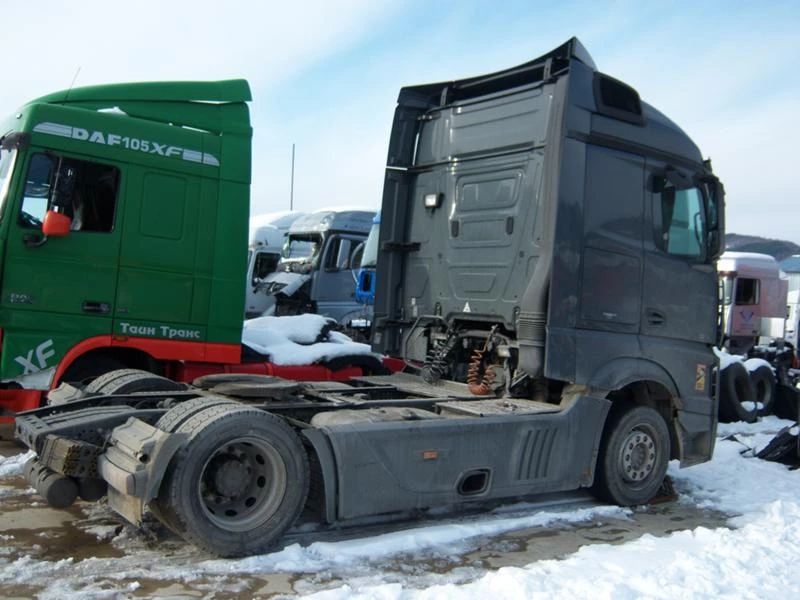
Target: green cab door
57, 291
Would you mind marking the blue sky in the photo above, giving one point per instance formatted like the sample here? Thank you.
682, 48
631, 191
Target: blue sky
325, 76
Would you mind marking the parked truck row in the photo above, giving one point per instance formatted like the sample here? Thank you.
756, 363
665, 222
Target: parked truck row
546, 273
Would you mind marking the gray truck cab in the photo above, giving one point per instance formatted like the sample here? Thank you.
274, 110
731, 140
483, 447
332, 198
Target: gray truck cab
315, 271
544, 229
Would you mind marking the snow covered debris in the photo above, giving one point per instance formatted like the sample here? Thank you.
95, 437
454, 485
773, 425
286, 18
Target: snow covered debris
13, 465
300, 340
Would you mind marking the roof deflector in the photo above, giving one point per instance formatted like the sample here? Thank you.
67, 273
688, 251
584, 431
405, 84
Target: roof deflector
539, 69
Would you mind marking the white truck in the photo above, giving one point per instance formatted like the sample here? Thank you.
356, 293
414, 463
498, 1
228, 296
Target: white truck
757, 323
268, 234
755, 299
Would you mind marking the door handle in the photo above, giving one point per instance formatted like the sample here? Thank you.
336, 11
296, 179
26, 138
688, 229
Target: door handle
95, 307
655, 317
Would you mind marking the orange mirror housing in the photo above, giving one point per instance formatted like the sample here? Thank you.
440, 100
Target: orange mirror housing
56, 224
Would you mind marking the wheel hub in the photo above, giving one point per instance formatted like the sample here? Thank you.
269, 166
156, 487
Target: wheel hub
231, 477
638, 456
242, 484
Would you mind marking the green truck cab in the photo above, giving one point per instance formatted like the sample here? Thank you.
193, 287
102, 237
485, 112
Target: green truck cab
124, 216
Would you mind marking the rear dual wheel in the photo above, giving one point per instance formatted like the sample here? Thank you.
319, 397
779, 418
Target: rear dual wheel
238, 484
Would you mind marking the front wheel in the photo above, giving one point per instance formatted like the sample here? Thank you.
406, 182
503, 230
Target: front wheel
238, 484
634, 453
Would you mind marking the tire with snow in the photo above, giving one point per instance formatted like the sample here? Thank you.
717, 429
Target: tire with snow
238, 484
763, 380
130, 381
634, 452
737, 396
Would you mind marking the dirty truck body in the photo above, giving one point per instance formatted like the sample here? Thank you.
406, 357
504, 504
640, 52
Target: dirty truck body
547, 271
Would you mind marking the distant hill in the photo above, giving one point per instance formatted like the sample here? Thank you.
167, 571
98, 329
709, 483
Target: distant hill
779, 249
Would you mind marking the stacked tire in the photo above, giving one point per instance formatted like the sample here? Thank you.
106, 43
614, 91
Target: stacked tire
747, 391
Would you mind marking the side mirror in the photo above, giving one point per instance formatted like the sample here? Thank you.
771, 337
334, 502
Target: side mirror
56, 224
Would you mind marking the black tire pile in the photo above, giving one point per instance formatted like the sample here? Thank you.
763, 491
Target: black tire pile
746, 395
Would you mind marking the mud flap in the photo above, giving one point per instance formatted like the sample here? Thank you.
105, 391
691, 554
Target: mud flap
134, 464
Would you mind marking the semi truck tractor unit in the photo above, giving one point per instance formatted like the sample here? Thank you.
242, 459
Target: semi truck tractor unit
123, 236
546, 270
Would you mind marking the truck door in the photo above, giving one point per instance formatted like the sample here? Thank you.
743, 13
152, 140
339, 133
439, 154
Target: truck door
680, 285
58, 291
334, 283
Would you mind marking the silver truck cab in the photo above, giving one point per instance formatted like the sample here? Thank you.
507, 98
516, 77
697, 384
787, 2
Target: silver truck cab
315, 272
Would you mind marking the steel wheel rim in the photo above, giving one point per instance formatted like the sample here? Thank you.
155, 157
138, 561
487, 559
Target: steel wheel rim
638, 455
242, 484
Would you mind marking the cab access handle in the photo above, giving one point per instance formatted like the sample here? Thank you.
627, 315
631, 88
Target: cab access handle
95, 307
655, 317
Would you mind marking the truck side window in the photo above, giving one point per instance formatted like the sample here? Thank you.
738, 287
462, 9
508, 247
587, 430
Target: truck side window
94, 198
266, 263
746, 290
338, 256
683, 222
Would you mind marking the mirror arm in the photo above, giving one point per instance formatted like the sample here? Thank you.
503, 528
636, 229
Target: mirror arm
33, 240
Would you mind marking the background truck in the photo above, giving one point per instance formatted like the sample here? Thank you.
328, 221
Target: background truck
548, 243
123, 219
758, 373
268, 235
365, 280
315, 272
755, 299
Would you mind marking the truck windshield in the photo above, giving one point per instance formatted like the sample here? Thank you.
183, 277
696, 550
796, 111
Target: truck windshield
6, 168
305, 247
370, 258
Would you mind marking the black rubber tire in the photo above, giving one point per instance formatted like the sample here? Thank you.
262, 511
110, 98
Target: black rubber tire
178, 415
173, 419
735, 389
763, 380
130, 381
634, 452
244, 448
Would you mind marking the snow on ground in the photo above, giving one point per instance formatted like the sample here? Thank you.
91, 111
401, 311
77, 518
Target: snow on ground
300, 339
755, 557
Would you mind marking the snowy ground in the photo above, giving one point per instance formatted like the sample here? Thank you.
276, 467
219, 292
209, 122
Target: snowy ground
752, 550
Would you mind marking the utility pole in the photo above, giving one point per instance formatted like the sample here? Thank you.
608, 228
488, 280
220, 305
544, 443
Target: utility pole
291, 191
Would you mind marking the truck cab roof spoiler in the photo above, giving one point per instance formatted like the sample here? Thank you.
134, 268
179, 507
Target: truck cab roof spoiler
536, 70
